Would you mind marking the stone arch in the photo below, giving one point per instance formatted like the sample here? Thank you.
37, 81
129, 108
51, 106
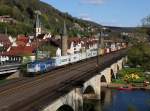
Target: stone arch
72, 101
65, 107
105, 74
94, 85
89, 90
103, 78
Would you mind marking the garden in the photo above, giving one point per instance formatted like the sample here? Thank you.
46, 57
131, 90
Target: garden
131, 76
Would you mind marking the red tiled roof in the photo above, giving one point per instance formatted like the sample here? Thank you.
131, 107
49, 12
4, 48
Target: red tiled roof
20, 50
5, 40
20, 43
87, 41
75, 40
22, 39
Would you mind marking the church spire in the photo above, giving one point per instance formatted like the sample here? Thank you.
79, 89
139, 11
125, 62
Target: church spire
65, 29
37, 21
37, 25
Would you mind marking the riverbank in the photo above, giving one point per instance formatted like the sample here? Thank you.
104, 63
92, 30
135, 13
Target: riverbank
115, 86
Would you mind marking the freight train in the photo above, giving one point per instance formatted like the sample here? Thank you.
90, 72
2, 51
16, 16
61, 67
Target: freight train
41, 66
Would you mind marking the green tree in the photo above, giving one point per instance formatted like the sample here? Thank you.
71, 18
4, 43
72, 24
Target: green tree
139, 55
146, 25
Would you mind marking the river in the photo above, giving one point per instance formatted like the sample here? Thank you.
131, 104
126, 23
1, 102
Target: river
119, 100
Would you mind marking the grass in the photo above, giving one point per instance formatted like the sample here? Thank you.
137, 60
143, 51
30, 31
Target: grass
140, 80
126, 72
118, 81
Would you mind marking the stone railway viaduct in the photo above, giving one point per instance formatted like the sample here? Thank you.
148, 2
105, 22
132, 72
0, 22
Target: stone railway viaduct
91, 89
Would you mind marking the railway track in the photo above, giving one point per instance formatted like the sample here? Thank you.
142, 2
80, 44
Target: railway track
57, 87
42, 85
30, 80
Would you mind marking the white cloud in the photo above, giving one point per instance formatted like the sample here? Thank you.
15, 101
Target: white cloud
94, 2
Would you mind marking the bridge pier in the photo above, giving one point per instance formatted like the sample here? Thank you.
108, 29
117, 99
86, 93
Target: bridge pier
114, 70
120, 63
98, 87
92, 105
106, 96
78, 106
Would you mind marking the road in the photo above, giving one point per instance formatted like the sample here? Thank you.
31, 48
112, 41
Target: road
26, 95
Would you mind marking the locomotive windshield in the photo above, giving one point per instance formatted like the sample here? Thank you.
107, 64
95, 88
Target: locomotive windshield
31, 65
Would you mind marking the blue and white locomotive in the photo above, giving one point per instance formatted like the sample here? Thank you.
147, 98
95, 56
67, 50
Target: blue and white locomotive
54, 62
41, 66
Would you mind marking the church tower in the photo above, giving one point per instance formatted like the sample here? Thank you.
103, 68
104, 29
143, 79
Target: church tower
38, 30
64, 41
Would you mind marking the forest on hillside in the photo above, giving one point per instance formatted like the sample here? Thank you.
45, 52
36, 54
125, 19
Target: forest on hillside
23, 11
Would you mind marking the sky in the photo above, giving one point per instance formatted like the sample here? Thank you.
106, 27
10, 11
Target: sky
124, 13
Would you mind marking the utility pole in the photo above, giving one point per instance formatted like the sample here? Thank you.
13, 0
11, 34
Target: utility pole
37, 31
64, 40
98, 48
100, 45
6, 31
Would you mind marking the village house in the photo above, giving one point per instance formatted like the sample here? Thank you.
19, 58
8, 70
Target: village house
74, 45
77, 45
7, 19
43, 37
16, 50
5, 42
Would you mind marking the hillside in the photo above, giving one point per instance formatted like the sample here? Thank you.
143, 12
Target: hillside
122, 29
52, 19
